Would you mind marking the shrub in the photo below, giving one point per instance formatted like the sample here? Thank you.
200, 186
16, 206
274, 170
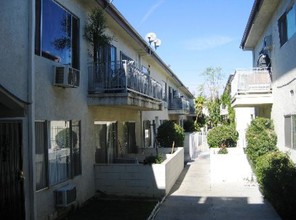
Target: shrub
222, 135
277, 179
158, 159
168, 132
189, 126
261, 138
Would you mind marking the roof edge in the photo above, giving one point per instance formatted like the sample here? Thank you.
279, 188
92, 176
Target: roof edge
255, 9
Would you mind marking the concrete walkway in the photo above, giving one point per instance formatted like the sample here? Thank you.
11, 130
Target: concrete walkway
215, 186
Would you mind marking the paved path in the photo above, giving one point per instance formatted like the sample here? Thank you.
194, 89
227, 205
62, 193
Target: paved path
216, 187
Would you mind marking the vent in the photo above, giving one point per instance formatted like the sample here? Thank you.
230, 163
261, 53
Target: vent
66, 76
65, 195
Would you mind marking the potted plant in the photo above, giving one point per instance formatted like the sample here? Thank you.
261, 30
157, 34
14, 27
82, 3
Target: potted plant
94, 32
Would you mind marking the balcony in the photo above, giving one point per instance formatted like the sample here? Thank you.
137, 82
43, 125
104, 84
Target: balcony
123, 84
179, 106
251, 87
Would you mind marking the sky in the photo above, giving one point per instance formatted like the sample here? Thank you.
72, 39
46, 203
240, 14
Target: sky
194, 34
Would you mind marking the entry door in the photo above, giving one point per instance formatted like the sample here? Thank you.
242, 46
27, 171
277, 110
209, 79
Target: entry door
11, 171
106, 139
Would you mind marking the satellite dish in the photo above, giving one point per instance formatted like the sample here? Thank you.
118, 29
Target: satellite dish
150, 37
157, 43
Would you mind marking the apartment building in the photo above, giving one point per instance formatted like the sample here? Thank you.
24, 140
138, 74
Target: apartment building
60, 113
251, 96
270, 32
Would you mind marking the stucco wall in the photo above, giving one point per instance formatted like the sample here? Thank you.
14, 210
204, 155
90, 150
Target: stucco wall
14, 47
242, 123
140, 180
283, 75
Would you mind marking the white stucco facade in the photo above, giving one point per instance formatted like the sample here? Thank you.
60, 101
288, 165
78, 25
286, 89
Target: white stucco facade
27, 78
282, 63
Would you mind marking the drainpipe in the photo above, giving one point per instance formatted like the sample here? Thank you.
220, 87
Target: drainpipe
31, 110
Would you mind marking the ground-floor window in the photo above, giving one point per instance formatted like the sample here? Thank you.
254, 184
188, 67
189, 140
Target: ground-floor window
290, 131
58, 152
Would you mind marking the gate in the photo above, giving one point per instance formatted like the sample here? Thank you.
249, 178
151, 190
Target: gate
11, 171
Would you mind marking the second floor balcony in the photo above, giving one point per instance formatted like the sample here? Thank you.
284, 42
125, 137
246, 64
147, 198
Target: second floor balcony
178, 105
251, 87
123, 84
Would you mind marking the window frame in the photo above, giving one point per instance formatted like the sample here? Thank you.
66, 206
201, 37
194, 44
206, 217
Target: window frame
290, 131
47, 146
284, 25
75, 34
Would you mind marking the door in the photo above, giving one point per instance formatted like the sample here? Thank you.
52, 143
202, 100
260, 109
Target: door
11, 171
106, 142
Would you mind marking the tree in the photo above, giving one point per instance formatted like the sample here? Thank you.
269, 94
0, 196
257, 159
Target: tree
95, 29
211, 88
199, 106
226, 101
213, 82
214, 116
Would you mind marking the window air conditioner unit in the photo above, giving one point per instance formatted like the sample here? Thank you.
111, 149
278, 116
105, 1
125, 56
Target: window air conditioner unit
65, 195
66, 76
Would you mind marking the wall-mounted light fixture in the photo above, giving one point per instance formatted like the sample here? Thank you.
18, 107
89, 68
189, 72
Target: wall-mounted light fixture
151, 38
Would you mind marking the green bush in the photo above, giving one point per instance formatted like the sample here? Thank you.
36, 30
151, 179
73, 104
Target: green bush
169, 132
276, 176
223, 135
261, 138
189, 126
158, 159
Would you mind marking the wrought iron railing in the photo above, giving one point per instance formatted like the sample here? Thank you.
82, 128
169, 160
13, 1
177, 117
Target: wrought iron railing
122, 77
179, 104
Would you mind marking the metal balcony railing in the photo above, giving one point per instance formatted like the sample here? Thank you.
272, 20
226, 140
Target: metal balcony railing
179, 104
122, 77
251, 81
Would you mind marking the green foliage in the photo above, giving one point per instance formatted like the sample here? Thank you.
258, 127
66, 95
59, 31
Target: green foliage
261, 138
223, 150
214, 112
277, 179
200, 117
158, 159
213, 81
189, 126
95, 29
226, 101
223, 135
63, 138
168, 132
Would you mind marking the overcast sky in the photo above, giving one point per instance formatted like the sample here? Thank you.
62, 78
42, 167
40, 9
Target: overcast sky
194, 34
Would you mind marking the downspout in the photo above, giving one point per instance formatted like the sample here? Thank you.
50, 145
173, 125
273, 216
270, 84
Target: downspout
31, 109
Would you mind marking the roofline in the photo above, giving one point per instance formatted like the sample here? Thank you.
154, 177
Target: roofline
119, 18
255, 9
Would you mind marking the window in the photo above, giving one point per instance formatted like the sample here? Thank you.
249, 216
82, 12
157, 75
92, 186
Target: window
290, 131
287, 25
58, 152
130, 136
164, 91
57, 33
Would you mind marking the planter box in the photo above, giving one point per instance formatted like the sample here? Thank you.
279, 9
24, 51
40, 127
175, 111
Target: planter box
140, 180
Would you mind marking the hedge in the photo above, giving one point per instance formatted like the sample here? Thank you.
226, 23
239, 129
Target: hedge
261, 138
276, 175
169, 132
222, 135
